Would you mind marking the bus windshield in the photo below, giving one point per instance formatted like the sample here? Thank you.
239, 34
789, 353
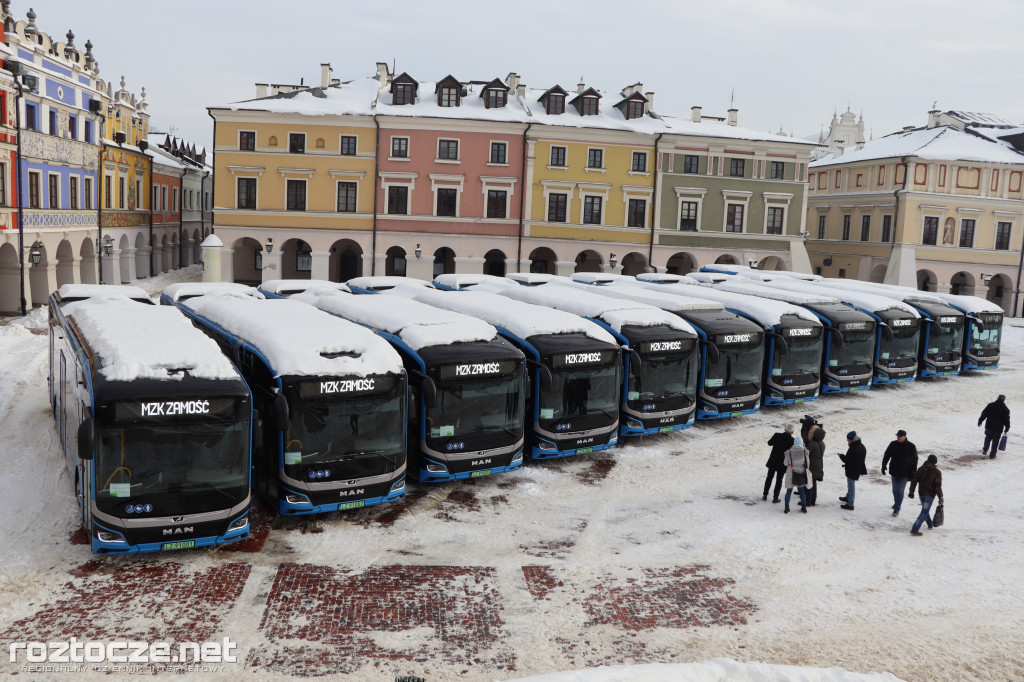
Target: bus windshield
210, 460
902, 346
591, 392
664, 377
856, 353
948, 339
364, 436
491, 408
738, 366
988, 337
802, 359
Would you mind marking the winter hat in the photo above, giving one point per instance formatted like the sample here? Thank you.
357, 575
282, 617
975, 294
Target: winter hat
798, 442
1001, 398
790, 428
901, 432
932, 459
851, 435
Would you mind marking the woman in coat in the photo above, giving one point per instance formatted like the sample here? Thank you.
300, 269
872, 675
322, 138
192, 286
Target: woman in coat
780, 442
797, 468
816, 451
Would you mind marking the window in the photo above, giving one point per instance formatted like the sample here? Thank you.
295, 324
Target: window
690, 163
247, 141
449, 97
296, 195
776, 219
497, 200
498, 152
108, 188
821, 227
163, 198
558, 156
817, 270
3, 184
73, 192
557, 204
33, 190
931, 231
842, 272
348, 145
846, 228
53, 122
1003, 236
87, 191
446, 200
636, 213
634, 109
865, 228
398, 200
73, 127
448, 150
555, 105
303, 256
588, 106
778, 170
120, 193
174, 205
138, 194
297, 143
737, 167
886, 227
257, 261
53, 186
967, 233
592, 210
688, 216
88, 131
403, 93
639, 162
246, 193
30, 116
495, 99
595, 158
346, 197
400, 147
734, 218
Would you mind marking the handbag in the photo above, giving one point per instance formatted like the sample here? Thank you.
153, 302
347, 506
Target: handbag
1002, 443
799, 479
940, 517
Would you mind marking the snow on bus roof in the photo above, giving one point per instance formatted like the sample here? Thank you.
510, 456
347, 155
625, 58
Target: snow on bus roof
889, 291
387, 282
522, 318
466, 281
133, 341
101, 291
753, 288
767, 312
293, 286
971, 304
673, 303
298, 339
859, 299
181, 290
587, 301
531, 278
417, 324
665, 277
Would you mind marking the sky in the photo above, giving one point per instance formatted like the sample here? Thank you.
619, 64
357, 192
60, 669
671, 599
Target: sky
788, 64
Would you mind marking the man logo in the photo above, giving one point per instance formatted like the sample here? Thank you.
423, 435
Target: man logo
181, 530
349, 493
480, 462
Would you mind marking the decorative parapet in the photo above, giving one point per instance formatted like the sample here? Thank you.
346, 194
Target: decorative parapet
124, 218
37, 219
36, 145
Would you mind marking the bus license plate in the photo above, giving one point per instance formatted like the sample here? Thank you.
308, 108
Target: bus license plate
854, 388
482, 472
736, 414
184, 544
666, 429
799, 400
352, 505
583, 451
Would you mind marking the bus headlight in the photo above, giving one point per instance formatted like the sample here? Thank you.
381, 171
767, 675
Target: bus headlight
106, 536
398, 485
518, 457
296, 499
545, 445
239, 523
436, 469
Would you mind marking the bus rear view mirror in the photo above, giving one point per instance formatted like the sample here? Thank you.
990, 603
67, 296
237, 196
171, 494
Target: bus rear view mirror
543, 371
428, 389
281, 412
780, 344
837, 337
712, 350
977, 322
85, 437
886, 332
634, 357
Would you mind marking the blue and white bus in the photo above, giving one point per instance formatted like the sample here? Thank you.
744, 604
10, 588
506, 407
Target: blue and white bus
467, 383
154, 423
331, 397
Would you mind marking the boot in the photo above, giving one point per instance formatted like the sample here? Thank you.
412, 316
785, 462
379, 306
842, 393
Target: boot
846, 507
786, 510
803, 508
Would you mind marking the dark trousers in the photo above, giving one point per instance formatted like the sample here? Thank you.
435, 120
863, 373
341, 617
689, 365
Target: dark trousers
779, 475
812, 494
992, 439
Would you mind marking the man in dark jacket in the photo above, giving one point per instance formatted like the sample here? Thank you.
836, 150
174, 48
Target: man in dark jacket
855, 461
930, 479
901, 458
996, 416
816, 453
805, 427
780, 442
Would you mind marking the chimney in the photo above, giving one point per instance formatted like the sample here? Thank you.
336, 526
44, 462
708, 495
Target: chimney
383, 74
630, 89
650, 100
933, 118
908, 129
580, 87
325, 76
512, 81
695, 114
261, 90
732, 116
521, 91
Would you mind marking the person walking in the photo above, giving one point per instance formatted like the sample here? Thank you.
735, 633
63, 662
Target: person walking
901, 459
996, 416
930, 479
816, 452
797, 473
780, 442
855, 461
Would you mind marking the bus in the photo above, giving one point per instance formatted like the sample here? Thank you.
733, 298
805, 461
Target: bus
940, 350
793, 339
659, 362
849, 335
153, 421
330, 398
897, 326
572, 398
182, 291
731, 349
467, 383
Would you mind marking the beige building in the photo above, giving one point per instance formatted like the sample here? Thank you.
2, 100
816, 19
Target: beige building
939, 207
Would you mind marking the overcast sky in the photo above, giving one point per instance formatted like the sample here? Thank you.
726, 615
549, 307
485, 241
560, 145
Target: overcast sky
791, 63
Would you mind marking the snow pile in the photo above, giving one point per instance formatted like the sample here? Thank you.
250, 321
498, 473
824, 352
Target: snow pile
101, 291
189, 289
717, 670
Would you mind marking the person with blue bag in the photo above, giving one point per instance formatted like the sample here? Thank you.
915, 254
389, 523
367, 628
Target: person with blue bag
996, 416
930, 479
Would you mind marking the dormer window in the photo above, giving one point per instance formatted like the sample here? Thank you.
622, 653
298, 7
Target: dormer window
449, 92
403, 93
495, 99
587, 102
634, 109
556, 104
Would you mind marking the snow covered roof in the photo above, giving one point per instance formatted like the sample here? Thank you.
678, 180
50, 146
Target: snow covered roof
467, 281
665, 277
382, 283
806, 276
101, 291
291, 286
768, 313
939, 143
517, 316
133, 341
752, 288
531, 278
899, 293
857, 299
671, 302
710, 277
181, 290
971, 304
742, 271
706, 128
417, 324
976, 118
297, 339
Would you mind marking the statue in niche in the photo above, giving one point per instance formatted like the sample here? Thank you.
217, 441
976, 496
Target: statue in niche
947, 232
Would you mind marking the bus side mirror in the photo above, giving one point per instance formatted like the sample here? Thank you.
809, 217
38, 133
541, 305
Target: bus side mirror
634, 357
85, 439
544, 371
281, 411
428, 389
837, 337
713, 352
935, 326
977, 322
780, 343
886, 331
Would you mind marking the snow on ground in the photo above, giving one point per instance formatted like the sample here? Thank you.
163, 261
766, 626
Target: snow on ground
829, 591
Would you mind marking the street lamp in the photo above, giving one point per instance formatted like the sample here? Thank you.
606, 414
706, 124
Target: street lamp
752, 263
270, 244
986, 278
612, 261
418, 252
35, 255
108, 245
